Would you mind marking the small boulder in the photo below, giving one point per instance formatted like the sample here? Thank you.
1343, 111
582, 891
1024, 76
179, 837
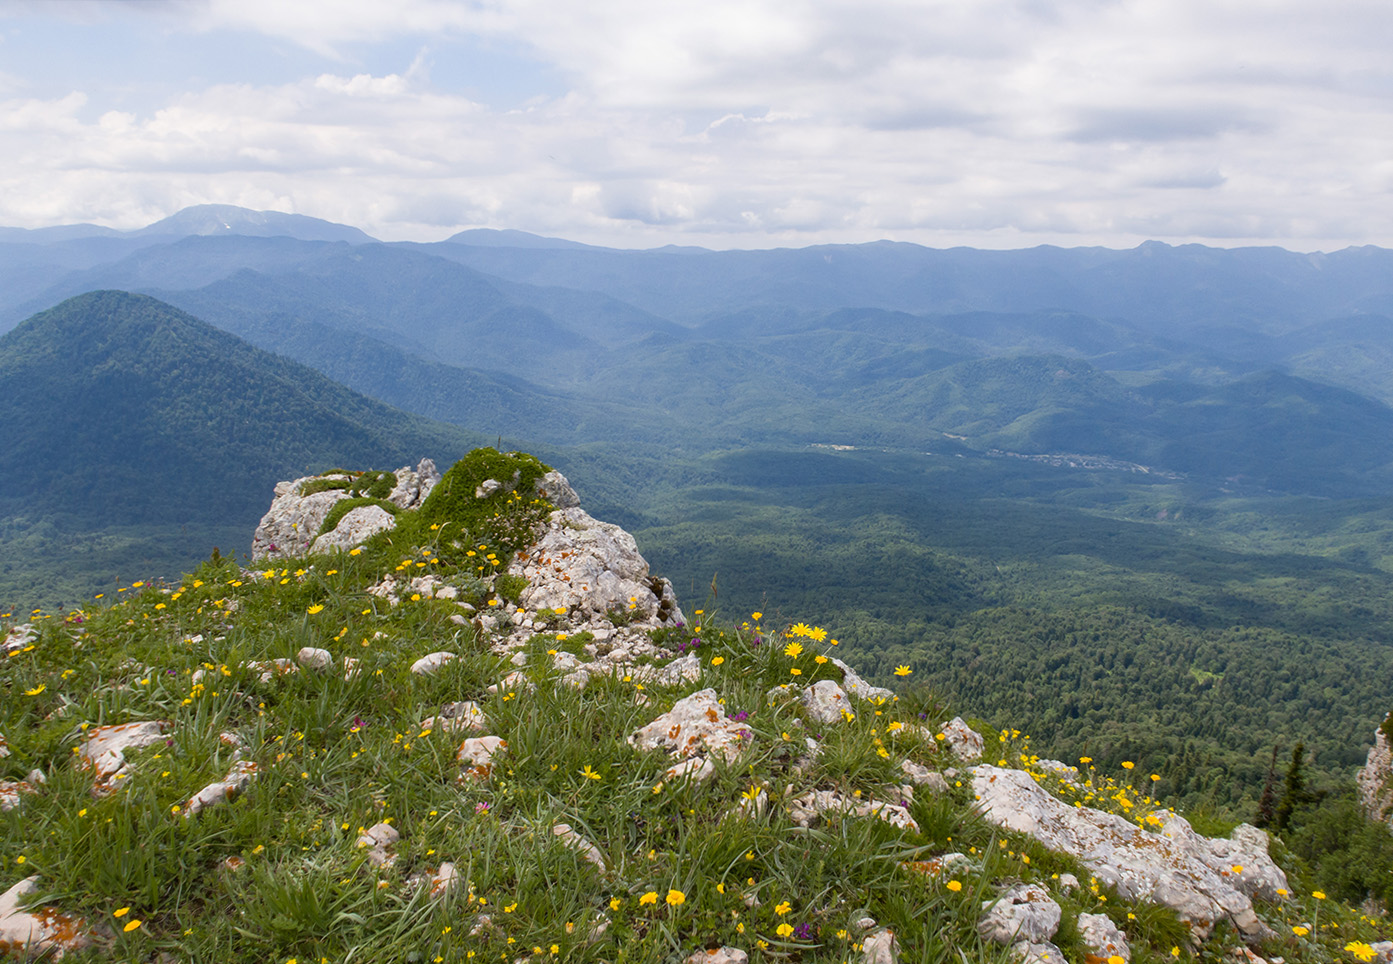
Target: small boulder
965, 742
718, 955
826, 702
695, 724
1025, 912
1101, 936
38, 933
431, 663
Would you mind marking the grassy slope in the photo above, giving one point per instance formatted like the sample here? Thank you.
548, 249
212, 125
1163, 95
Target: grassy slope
276, 874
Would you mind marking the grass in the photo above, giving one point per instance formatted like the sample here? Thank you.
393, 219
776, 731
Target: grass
276, 874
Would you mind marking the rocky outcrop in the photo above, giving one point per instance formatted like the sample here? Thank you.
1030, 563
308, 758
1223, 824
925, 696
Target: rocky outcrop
1203, 880
1375, 781
579, 564
291, 526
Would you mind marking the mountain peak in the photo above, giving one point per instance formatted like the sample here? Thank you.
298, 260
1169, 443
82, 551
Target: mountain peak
214, 219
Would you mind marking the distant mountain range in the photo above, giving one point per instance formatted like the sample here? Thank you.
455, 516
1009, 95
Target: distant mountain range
1230, 366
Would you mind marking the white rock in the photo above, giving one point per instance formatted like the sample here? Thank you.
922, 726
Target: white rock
965, 742
104, 753
880, 947
826, 702
19, 637
1375, 780
477, 754
413, 485
357, 526
27, 934
590, 568
924, 777
1068, 883
684, 669
238, 778
467, 714
696, 724
1172, 866
698, 769
378, 840
1025, 912
579, 844
270, 669
293, 520
314, 658
555, 489
512, 682
1100, 935
718, 955
444, 880
10, 791
858, 687
431, 663
1038, 952
809, 806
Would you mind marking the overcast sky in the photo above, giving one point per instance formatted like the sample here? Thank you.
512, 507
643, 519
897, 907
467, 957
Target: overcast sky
725, 123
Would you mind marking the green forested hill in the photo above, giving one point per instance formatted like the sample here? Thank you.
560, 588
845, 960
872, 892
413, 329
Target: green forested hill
125, 415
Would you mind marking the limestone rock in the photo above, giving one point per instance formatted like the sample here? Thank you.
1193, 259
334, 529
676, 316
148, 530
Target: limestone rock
379, 839
826, 702
1101, 936
19, 637
965, 742
292, 522
555, 489
858, 687
808, 807
880, 947
1375, 780
431, 663
718, 955
922, 776
695, 724
413, 485
579, 844
684, 669
698, 769
356, 527
1025, 912
444, 880
238, 778
1038, 952
1172, 866
311, 657
38, 933
477, 754
586, 567
104, 753
10, 791
269, 669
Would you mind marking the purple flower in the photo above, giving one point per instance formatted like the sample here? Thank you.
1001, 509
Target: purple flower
803, 932
741, 716
481, 807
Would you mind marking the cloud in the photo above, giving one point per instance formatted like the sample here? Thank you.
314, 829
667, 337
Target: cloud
753, 123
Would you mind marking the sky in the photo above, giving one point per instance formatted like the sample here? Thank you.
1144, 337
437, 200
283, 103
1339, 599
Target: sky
724, 123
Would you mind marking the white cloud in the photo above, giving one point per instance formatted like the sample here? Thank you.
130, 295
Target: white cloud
995, 123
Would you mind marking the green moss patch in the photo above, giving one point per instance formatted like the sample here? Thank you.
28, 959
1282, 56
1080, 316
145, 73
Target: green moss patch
344, 506
463, 514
